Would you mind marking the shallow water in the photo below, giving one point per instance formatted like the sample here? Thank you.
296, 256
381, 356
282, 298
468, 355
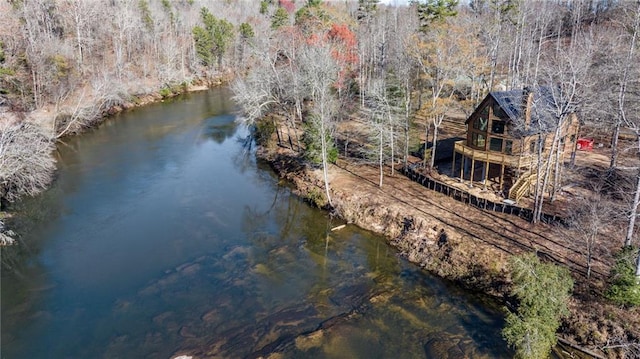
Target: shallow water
162, 235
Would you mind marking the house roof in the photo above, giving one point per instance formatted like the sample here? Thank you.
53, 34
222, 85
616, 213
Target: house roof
513, 102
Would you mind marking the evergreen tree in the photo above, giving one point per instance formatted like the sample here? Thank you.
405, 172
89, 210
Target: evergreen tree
246, 31
264, 7
625, 288
279, 18
147, 19
435, 10
366, 8
313, 143
542, 291
219, 33
203, 44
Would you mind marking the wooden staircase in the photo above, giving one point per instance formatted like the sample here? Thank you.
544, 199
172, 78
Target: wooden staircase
522, 186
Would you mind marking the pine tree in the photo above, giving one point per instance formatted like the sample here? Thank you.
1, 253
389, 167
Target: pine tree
279, 18
542, 291
435, 10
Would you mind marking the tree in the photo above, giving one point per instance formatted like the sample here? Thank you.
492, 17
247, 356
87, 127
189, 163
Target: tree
321, 74
147, 19
246, 31
219, 33
590, 218
542, 291
382, 123
623, 90
203, 44
246, 35
441, 54
564, 78
280, 18
366, 8
26, 161
624, 280
430, 11
264, 6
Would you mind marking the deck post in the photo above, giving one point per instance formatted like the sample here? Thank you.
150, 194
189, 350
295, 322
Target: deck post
473, 168
486, 172
453, 164
501, 176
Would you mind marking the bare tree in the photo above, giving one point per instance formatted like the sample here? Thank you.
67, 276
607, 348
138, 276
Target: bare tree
382, 122
625, 77
320, 71
26, 162
591, 218
441, 56
565, 76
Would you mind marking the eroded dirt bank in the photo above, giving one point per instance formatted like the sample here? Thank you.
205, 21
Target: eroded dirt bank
465, 244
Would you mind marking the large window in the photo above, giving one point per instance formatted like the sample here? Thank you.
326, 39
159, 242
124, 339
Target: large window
498, 111
497, 126
495, 144
478, 140
480, 123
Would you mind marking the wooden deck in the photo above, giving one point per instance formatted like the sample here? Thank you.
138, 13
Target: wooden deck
517, 161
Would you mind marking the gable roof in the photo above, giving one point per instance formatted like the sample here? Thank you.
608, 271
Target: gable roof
513, 104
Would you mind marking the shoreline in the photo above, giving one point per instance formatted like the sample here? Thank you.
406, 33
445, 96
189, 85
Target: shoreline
440, 246
42, 117
419, 235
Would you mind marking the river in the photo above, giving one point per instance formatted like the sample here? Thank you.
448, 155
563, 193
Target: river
162, 235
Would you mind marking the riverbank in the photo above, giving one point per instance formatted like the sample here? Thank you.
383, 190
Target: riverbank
464, 244
51, 123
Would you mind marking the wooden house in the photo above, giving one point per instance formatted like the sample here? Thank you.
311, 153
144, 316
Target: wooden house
504, 135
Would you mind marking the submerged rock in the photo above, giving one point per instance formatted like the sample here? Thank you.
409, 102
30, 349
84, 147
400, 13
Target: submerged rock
444, 346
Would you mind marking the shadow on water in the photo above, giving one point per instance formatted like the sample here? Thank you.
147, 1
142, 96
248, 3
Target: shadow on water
163, 235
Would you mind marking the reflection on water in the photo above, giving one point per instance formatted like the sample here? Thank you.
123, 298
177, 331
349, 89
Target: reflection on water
163, 236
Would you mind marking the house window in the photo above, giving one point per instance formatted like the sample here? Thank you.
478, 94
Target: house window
497, 126
478, 140
480, 123
532, 147
508, 147
498, 111
495, 144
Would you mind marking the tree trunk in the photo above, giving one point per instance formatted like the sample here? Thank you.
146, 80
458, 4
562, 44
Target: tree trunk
547, 171
426, 141
638, 269
614, 144
392, 143
634, 213
623, 87
325, 163
433, 145
537, 197
557, 175
407, 109
380, 154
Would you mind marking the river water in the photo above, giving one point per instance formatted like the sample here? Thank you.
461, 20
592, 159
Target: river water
162, 235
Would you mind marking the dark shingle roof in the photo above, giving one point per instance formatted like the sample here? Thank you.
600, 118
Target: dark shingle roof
512, 102
543, 107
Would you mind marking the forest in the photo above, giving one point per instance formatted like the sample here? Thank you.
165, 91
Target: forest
301, 70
